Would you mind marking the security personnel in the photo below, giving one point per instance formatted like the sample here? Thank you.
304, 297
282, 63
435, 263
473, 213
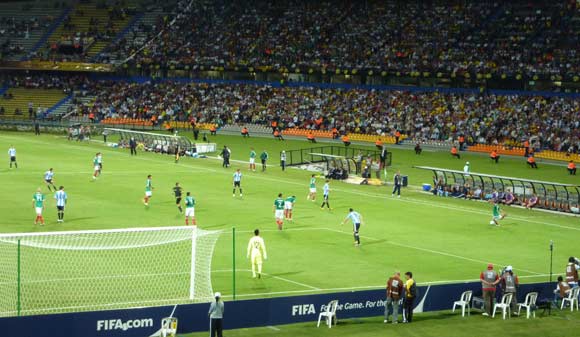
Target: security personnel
461, 142
454, 152
213, 130
394, 292
379, 144
397, 137
216, 315
245, 132
509, 285
532, 162
494, 156
346, 140
572, 168
410, 294
310, 137
489, 280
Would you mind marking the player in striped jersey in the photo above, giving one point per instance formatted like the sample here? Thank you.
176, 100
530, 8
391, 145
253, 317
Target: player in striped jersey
12, 154
279, 211
61, 199
48, 177
148, 191
38, 205
237, 182
357, 220
189, 209
312, 189
325, 195
96, 167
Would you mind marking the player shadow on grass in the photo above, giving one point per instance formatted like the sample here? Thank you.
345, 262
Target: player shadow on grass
375, 242
77, 219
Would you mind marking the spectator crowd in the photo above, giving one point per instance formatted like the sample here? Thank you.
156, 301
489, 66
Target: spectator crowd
528, 38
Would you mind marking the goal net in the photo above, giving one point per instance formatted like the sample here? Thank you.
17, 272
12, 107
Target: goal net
42, 273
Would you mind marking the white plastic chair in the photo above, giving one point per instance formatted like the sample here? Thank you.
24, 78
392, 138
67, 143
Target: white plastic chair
504, 305
464, 302
572, 298
529, 303
329, 314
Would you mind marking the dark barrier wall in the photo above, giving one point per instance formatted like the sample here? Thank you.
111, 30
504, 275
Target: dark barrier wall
238, 314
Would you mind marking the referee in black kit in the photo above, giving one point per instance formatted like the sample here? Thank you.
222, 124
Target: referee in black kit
397, 182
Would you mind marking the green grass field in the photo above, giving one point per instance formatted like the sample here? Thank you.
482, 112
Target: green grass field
439, 239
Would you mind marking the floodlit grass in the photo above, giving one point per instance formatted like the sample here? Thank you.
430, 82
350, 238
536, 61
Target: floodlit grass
439, 239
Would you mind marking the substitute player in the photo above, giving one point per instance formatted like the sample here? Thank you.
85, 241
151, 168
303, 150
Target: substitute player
38, 205
48, 177
148, 191
96, 167
61, 198
288, 206
189, 209
237, 182
279, 211
357, 220
177, 190
312, 190
325, 195
256, 250
497, 214
252, 159
12, 154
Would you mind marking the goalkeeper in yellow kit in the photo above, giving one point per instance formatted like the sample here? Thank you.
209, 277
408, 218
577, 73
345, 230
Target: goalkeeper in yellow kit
257, 250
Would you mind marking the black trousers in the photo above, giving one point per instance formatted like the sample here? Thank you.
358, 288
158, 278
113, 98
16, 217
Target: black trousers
133, 151
216, 328
397, 189
408, 307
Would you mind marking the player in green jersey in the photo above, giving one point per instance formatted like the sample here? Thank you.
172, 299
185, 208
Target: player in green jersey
148, 191
288, 206
497, 214
312, 189
252, 159
189, 209
38, 205
279, 211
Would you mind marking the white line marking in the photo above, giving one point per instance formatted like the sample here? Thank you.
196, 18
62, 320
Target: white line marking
272, 276
429, 250
273, 328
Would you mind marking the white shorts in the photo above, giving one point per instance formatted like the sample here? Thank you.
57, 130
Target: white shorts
38, 210
287, 205
313, 190
148, 193
256, 258
496, 217
252, 160
97, 168
279, 214
190, 211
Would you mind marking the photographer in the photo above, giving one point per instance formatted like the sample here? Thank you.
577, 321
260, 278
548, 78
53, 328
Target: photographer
509, 284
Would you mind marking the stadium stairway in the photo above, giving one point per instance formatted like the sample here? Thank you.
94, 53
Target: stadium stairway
42, 41
80, 18
30, 44
132, 23
44, 98
60, 108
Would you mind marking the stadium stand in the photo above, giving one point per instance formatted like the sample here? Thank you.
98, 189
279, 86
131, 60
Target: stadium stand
22, 27
519, 38
86, 31
17, 106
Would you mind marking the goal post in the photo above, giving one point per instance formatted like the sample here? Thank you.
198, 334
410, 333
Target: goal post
57, 272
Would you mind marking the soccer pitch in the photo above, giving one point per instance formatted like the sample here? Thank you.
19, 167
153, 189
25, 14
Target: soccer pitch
439, 239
